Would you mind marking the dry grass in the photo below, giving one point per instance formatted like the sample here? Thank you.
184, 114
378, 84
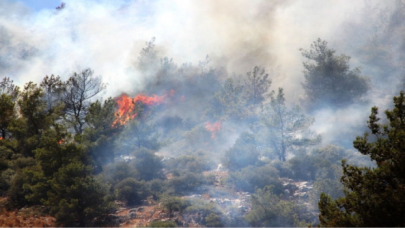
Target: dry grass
24, 219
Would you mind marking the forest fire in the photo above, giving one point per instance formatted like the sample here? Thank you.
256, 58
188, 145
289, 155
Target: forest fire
149, 100
126, 105
213, 128
125, 109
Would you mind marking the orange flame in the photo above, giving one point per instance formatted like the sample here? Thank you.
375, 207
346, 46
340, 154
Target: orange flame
126, 105
149, 100
125, 110
213, 128
1, 138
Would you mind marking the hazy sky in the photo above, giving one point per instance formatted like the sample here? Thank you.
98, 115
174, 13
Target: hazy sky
108, 35
38, 5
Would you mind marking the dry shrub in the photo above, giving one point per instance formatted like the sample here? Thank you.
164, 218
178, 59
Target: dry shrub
14, 219
38, 223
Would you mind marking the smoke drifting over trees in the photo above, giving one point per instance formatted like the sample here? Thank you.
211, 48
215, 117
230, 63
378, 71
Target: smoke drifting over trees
328, 78
226, 113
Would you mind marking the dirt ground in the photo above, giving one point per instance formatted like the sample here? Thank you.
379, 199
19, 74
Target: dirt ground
25, 217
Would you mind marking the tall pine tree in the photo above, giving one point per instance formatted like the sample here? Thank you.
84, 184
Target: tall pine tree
373, 196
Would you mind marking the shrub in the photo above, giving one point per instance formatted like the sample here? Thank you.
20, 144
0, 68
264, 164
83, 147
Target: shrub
243, 153
172, 204
156, 186
185, 183
163, 224
132, 191
211, 216
148, 164
118, 171
189, 163
250, 178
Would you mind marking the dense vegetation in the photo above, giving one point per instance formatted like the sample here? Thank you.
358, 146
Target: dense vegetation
373, 196
64, 147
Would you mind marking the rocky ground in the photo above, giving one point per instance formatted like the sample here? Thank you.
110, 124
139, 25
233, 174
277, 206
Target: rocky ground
25, 217
228, 202
142, 215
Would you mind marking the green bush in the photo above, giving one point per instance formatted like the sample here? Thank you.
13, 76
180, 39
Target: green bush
23, 162
284, 168
319, 164
269, 210
243, 153
4, 186
331, 187
16, 193
250, 178
149, 165
163, 224
303, 167
213, 220
132, 191
156, 186
3, 165
189, 163
210, 214
77, 198
185, 183
118, 171
172, 204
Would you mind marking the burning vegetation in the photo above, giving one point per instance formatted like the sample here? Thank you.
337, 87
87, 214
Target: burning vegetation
127, 106
199, 146
213, 128
125, 111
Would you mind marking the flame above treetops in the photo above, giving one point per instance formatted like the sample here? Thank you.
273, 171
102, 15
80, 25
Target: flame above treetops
126, 105
213, 128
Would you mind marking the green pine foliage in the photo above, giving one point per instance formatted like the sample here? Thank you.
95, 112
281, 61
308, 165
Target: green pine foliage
373, 196
286, 129
132, 191
243, 153
76, 198
250, 178
7, 110
101, 133
328, 78
229, 103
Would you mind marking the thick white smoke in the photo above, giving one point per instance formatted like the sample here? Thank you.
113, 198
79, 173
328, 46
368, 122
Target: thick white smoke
107, 36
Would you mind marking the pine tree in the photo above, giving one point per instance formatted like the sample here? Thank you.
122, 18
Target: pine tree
286, 129
257, 85
328, 78
373, 196
7, 110
101, 132
79, 90
229, 102
77, 198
